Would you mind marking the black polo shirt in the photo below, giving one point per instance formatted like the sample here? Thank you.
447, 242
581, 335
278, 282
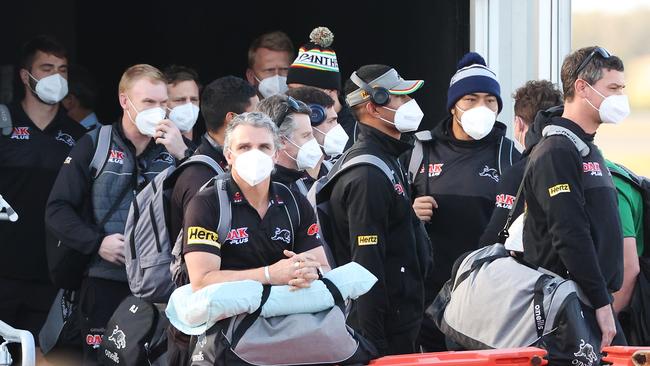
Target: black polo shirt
30, 159
252, 242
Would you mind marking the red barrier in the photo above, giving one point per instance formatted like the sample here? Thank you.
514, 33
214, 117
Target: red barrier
627, 356
529, 356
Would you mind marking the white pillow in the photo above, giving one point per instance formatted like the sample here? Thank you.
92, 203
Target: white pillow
194, 313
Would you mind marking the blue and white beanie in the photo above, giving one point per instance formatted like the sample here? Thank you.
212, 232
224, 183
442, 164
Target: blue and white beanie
473, 76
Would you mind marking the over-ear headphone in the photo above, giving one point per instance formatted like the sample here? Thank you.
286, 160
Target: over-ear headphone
317, 115
378, 94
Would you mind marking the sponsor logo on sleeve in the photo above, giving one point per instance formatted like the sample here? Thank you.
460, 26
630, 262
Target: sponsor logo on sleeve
367, 240
20, 133
200, 235
559, 188
312, 230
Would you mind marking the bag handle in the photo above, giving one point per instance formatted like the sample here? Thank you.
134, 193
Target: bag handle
249, 319
336, 294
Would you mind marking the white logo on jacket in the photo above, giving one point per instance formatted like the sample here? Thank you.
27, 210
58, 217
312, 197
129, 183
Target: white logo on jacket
490, 173
587, 351
118, 337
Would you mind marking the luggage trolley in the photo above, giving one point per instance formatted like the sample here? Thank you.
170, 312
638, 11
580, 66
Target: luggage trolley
8, 333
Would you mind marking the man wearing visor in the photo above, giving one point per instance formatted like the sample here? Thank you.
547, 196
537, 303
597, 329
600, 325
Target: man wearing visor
373, 222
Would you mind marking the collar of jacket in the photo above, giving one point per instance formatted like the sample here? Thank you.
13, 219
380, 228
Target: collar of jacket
386, 143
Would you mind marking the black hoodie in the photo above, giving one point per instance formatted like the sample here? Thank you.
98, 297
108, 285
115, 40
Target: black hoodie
462, 178
572, 225
511, 179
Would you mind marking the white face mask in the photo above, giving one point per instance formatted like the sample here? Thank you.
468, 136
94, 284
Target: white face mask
309, 154
407, 117
147, 120
477, 122
335, 140
272, 85
253, 166
184, 116
51, 89
614, 108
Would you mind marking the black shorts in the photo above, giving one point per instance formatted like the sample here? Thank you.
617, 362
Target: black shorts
25, 304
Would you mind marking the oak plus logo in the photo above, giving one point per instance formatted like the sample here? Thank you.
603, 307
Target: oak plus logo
238, 236
505, 201
20, 133
434, 170
592, 168
116, 156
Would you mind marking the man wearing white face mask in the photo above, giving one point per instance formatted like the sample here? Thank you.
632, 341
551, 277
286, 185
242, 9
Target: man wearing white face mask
183, 87
373, 222
572, 225
269, 57
275, 240
32, 148
139, 146
300, 158
454, 170
329, 134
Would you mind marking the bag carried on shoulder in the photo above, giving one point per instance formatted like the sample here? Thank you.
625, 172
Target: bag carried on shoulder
321, 338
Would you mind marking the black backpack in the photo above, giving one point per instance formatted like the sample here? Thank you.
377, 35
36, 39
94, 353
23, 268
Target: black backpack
135, 335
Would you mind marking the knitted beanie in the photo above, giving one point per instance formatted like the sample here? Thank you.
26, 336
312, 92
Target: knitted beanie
473, 76
316, 64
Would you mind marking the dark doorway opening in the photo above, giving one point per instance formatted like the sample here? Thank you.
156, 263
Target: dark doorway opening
421, 39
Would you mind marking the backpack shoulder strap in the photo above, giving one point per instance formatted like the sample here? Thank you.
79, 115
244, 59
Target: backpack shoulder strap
225, 210
102, 141
6, 125
291, 208
367, 159
302, 187
504, 154
417, 155
581, 146
206, 160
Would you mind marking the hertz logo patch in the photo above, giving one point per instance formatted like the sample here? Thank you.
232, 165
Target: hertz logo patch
199, 235
367, 240
560, 188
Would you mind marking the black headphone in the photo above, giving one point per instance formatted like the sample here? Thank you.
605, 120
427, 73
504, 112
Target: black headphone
317, 115
378, 94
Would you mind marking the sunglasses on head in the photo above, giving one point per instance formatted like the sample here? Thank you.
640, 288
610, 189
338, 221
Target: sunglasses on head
292, 106
598, 50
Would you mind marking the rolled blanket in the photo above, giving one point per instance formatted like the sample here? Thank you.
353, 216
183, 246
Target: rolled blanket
194, 313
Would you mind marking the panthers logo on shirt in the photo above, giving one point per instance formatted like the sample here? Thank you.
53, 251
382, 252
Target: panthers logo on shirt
65, 138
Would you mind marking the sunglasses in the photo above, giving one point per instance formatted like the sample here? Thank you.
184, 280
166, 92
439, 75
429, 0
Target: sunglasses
598, 50
292, 106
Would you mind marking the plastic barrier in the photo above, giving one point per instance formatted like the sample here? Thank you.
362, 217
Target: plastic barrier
627, 356
23, 337
529, 356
